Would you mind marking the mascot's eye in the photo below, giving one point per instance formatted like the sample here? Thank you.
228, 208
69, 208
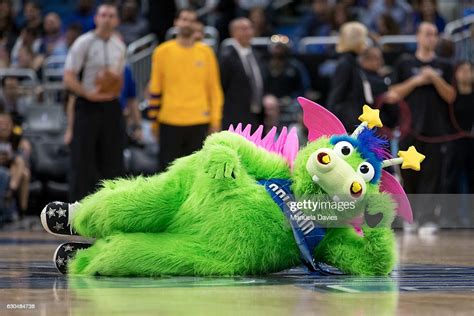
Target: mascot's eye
343, 149
367, 171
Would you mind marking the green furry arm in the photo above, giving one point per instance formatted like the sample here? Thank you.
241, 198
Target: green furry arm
373, 254
258, 162
379, 203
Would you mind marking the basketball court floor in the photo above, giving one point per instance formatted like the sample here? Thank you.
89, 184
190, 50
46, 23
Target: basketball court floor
435, 276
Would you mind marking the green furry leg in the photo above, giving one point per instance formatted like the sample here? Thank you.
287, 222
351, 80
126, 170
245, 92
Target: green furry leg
147, 254
135, 205
372, 254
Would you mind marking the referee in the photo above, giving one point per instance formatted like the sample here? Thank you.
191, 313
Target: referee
94, 73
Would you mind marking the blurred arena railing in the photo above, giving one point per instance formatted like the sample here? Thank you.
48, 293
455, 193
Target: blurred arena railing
458, 25
139, 59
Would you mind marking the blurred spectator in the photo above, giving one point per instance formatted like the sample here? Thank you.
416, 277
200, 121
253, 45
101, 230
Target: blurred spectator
161, 14
73, 31
375, 76
96, 78
346, 94
459, 176
386, 25
198, 34
83, 15
132, 24
315, 23
446, 48
189, 103
241, 77
32, 16
16, 98
427, 11
464, 114
226, 12
464, 104
52, 38
285, 79
29, 37
261, 26
285, 76
423, 81
371, 61
14, 156
340, 14
8, 32
400, 10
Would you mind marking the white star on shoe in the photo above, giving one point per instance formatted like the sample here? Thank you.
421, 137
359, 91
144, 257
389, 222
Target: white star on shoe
58, 203
60, 261
58, 226
68, 248
50, 212
61, 212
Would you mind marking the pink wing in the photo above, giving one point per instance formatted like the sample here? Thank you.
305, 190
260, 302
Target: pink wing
319, 121
389, 184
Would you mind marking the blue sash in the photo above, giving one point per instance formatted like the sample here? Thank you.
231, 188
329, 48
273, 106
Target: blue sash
307, 234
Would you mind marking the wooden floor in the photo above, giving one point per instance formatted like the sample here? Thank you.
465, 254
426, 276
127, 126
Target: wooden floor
435, 277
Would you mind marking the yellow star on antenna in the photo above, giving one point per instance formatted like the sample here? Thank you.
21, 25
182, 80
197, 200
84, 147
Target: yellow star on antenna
370, 116
411, 158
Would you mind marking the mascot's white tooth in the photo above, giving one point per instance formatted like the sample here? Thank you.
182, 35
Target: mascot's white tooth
315, 178
335, 198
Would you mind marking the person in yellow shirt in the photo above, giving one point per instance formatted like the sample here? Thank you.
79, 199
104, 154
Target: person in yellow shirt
185, 91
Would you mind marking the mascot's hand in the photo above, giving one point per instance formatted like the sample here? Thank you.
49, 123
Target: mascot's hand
221, 162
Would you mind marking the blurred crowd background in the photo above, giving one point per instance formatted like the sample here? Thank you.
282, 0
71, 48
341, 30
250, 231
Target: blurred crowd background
295, 47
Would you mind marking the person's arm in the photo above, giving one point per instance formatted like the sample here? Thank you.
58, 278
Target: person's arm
444, 89
404, 88
70, 119
216, 96
73, 66
155, 85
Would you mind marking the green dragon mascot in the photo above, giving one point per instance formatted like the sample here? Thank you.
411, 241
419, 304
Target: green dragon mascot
233, 207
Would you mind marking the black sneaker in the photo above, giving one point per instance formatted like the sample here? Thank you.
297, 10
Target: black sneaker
65, 252
56, 218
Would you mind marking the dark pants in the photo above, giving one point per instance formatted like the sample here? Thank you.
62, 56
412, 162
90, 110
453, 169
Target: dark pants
97, 146
179, 141
425, 185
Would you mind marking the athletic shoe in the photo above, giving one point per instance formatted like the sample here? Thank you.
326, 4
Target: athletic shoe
65, 253
56, 218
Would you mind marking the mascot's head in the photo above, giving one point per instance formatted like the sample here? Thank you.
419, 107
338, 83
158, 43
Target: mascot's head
345, 167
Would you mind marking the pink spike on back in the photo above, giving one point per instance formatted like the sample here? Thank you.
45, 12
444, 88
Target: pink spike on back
291, 147
269, 139
280, 142
256, 138
238, 129
319, 121
231, 128
390, 184
246, 131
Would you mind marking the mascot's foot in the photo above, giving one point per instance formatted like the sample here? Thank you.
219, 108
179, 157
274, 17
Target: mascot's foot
65, 252
56, 218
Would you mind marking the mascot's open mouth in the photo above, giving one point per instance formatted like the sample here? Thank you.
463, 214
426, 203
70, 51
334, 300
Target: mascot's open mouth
356, 189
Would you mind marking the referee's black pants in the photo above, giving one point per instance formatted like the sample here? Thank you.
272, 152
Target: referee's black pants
97, 146
179, 141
